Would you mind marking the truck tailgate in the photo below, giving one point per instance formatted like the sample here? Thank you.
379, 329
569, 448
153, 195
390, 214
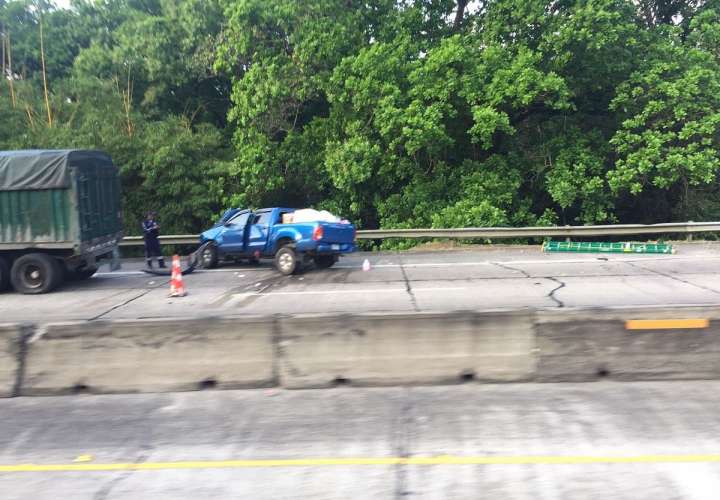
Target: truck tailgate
338, 233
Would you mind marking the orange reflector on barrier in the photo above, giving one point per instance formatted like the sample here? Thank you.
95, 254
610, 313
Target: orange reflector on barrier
666, 324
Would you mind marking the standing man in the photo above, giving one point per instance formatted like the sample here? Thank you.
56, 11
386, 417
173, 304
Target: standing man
151, 232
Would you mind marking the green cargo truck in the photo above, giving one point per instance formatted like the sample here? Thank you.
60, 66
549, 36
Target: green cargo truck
59, 215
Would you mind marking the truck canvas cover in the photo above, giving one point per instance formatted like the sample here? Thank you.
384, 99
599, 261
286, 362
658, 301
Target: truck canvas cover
43, 169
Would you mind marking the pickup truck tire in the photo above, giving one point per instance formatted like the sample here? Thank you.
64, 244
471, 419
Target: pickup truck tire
4, 275
325, 261
209, 256
286, 261
35, 273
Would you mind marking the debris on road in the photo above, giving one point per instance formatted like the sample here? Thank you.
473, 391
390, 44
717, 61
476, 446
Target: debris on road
606, 247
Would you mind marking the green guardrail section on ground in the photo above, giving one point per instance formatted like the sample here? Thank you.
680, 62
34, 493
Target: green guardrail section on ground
603, 247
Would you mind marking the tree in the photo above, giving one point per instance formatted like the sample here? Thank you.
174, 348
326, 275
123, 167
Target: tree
397, 114
658, 12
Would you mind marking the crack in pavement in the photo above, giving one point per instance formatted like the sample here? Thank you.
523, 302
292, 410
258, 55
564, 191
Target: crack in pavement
408, 288
666, 275
123, 304
402, 448
491, 278
509, 268
551, 295
104, 492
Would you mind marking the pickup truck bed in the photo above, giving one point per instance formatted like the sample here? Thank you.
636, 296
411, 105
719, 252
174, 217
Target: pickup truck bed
254, 235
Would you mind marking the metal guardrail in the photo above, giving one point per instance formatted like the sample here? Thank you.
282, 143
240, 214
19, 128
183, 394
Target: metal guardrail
492, 233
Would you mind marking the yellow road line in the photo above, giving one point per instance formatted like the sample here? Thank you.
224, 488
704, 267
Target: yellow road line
324, 462
666, 324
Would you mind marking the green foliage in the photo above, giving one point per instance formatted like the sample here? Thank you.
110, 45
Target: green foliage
134, 83
396, 114
671, 121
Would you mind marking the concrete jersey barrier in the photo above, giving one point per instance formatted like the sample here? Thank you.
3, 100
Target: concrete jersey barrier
10, 356
405, 349
149, 356
585, 345
317, 351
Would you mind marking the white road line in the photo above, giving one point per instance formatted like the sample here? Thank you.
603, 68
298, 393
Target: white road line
425, 264
594, 260
470, 264
340, 291
590, 261
526, 262
443, 289
319, 292
199, 271
119, 273
236, 270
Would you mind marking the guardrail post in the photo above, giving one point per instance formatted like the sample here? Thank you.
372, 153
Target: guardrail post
689, 236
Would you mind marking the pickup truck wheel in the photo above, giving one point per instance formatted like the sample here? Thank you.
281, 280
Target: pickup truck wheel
35, 273
209, 256
4, 275
286, 261
325, 261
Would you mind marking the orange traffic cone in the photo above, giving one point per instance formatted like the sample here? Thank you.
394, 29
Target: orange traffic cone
177, 287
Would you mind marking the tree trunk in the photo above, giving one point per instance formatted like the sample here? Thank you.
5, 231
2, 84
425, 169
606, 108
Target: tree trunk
460, 14
11, 76
2, 44
44, 74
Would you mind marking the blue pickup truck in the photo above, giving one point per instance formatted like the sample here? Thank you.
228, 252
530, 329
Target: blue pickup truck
257, 234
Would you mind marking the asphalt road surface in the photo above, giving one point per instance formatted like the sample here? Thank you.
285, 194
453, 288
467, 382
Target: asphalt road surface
649, 440
477, 279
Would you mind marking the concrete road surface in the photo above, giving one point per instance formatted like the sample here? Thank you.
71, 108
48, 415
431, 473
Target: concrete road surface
477, 279
599, 440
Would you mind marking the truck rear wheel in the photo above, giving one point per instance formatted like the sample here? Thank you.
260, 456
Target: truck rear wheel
286, 261
4, 275
35, 273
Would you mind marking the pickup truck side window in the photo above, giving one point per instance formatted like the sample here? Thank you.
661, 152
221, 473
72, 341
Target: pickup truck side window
240, 220
262, 219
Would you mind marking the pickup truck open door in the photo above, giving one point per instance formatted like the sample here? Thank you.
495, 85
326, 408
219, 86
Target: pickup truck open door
234, 232
259, 230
